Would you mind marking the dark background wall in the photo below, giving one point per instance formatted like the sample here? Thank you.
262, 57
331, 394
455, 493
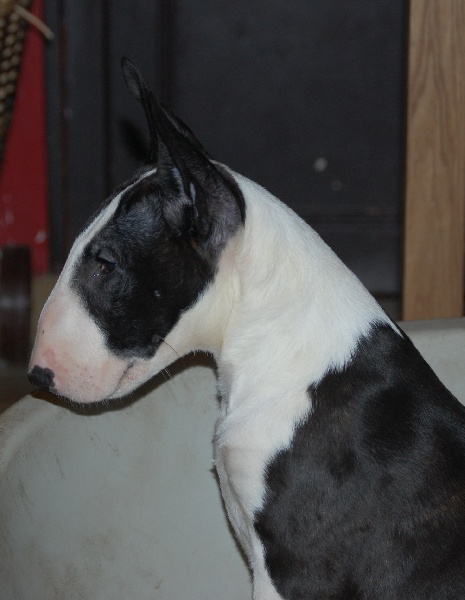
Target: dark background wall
304, 97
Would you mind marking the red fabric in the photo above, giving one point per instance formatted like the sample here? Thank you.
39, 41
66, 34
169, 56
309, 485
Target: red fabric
23, 175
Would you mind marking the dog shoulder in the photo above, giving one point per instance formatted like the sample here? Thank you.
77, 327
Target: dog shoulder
356, 480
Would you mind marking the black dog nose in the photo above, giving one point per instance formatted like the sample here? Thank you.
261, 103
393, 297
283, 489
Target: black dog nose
40, 377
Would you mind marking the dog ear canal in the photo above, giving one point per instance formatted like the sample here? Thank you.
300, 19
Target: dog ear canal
186, 214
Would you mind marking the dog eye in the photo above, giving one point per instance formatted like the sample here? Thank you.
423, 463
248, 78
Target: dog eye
106, 265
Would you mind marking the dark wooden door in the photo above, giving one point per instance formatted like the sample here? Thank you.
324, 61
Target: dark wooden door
304, 97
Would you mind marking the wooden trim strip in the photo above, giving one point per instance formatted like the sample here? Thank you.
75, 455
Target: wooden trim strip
435, 173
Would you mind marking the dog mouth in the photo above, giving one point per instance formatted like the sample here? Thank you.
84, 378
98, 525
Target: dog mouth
80, 383
138, 371
122, 382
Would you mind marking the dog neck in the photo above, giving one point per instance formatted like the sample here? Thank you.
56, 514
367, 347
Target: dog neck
283, 309
280, 312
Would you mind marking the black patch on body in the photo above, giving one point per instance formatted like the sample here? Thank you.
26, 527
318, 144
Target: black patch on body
368, 502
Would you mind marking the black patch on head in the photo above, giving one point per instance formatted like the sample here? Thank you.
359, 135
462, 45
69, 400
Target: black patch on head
160, 249
156, 275
368, 502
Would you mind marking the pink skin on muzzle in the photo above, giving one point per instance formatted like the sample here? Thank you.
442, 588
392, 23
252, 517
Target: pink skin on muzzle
70, 345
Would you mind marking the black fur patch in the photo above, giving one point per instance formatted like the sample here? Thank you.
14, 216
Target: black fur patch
139, 273
368, 503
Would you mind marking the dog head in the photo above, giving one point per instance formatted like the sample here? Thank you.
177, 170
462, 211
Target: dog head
143, 263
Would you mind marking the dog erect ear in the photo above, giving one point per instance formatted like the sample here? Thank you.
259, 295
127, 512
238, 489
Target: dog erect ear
200, 192
139, 90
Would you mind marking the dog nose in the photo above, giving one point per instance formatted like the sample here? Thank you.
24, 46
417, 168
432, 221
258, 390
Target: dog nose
40, 377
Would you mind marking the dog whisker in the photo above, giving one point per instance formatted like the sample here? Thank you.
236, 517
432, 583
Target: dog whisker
169, 345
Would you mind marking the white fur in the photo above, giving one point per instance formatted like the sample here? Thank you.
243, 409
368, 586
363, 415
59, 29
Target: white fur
281, 312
